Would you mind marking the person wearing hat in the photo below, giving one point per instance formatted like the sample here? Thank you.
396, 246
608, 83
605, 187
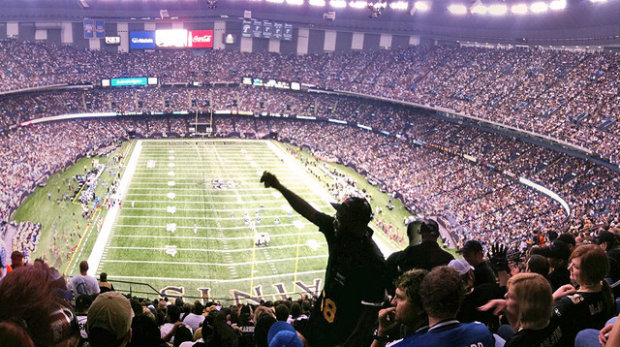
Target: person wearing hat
473, 253
355, 278
557, 254
282, 334
475, 296
109, 320
609, 242
425, 255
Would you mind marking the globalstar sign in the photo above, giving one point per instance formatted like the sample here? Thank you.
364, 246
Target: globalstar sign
200, 39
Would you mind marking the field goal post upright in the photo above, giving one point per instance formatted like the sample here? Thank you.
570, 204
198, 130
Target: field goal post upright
204, 128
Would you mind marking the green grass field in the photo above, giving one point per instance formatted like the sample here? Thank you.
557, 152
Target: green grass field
178, 228
182, 227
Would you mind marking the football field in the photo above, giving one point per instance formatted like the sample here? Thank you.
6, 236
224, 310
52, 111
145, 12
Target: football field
190, 214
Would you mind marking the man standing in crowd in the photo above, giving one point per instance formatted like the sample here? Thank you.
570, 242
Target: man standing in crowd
355, 280
472, 252
83, 284
425, 255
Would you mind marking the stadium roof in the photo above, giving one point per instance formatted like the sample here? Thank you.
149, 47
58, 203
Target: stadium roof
564, 19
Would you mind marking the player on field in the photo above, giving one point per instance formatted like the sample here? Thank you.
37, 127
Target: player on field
355, 279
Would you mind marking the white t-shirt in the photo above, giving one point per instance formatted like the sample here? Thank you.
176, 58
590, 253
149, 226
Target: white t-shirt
194, 321
83, 285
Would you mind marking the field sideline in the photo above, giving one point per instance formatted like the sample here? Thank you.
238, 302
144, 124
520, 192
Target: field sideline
189, 213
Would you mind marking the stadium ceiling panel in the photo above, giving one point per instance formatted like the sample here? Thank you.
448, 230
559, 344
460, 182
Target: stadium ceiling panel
390, 15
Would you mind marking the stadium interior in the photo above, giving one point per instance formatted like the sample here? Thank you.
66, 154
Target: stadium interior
500, 120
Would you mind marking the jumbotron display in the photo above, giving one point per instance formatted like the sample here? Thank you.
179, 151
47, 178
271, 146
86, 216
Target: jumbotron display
170, 38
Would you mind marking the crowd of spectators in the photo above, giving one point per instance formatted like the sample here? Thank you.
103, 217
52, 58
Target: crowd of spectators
571, 96
481, 197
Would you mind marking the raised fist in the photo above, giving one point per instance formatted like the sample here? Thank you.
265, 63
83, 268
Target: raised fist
270, 180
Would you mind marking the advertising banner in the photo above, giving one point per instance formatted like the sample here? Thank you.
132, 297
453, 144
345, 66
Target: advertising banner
89, 29
99, 29
141, 40
257, 28
267, 29
131, 81
288, 32
200, 39
246, 28
171, 38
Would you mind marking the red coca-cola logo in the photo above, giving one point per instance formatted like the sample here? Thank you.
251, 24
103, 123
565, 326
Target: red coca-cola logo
200, 39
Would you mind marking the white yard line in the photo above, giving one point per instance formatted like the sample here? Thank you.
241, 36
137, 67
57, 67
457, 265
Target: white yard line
102, 239
166, 237
171, 217
211, 264
213, 250
216, 281
245, 227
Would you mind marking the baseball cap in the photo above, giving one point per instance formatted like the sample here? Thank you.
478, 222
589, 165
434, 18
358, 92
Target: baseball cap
111, 311
606, 236
461, 266
472, 246
283, 334
558, 250
357, 208
423, 226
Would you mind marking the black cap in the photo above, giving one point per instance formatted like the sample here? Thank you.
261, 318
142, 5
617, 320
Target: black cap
558, 250
472, 246
606, 236
423, 226
356, 208
568, 238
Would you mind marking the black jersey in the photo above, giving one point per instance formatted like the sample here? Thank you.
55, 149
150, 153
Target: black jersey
549, 336
580, 311
355, 277
426, 255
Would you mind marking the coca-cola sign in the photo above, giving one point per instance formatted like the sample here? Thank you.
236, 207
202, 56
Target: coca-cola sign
200, 39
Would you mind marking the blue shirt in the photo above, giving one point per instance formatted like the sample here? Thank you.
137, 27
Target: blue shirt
450, 333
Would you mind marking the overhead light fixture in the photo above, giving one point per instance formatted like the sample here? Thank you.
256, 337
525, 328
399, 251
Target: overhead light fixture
538, 7
478, 8
338, 3
358, 4
458, 9
557, 5
399, 5
422, 6
519, 9
498, 9
295, 2
319, 3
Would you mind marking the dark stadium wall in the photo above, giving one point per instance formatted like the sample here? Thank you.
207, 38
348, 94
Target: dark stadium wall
400, 41
371, 41
316, 40
26, 31
79, 41
260, 45
290, 47
343, 42
53, 36
2, 31
111, 29
136, 26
